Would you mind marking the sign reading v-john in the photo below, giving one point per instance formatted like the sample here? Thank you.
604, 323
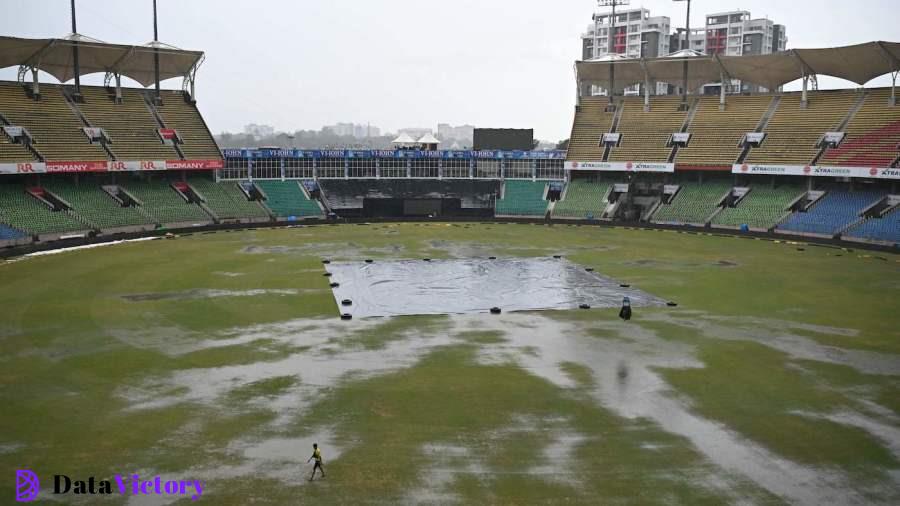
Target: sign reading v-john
28, 486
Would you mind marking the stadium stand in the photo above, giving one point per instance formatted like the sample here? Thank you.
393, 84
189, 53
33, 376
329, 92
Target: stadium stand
186, 119
286, 199
591, 122
164, 204
11, 152
872, 136
523, 198
20, 210
583, 199
8, 233
832, 213
56, 129
130, 125
89, 201
792, 132
351, 193
762, 208
227, 200
694, 203
883, 229
645, 134
716, 134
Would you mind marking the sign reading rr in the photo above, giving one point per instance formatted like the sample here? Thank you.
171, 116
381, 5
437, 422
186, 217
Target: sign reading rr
28, 486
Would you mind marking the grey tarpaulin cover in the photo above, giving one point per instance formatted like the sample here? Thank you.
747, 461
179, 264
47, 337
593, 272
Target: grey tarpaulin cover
417, 287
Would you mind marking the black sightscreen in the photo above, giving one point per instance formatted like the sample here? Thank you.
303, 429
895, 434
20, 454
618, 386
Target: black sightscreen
504, 138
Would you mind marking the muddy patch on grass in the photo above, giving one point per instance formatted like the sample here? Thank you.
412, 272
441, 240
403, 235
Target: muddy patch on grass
668, 265
204, 293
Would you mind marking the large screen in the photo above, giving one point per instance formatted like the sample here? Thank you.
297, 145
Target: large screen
504, 138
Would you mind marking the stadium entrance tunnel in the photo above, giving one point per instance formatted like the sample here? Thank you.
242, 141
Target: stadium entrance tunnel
414, 287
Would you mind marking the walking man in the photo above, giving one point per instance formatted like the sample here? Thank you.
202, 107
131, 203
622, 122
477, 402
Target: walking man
317, 454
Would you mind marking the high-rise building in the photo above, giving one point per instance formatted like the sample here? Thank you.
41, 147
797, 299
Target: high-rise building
637, 34
735, 33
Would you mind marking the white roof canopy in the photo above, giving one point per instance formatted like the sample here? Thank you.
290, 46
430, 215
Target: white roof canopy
54, 56
858, 63
404, 138
428, 139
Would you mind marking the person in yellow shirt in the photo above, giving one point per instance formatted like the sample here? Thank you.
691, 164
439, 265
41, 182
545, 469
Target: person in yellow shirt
317, 454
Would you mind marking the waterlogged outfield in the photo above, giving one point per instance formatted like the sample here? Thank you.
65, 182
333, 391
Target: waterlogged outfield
219, 357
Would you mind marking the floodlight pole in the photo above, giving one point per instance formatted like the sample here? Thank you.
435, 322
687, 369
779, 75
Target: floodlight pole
609, 48
155, 55
77, 95
687, 45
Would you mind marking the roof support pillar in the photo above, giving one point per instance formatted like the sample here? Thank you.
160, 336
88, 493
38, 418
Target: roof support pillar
722, 93
77, 94
36, 85
646, 90
804, 98
894, 88
118, 88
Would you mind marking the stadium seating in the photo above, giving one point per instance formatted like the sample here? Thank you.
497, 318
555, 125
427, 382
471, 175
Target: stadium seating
163, 203
56, 129
350, 193
186, 119
8, 233
885, 229
762, 208
645, 134
583, 199
832, 213
872, 135
522, 198
89, 201
286, 199
591, 122
13, 153
717, 134
793, 132
694, 203
130, 125
20, 210
227, 200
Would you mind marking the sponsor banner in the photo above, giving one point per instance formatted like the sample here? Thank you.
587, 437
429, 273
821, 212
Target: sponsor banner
97, 166
392, 153
194, 164
622, 166
816, 170
137, 165
168, 133
23, 168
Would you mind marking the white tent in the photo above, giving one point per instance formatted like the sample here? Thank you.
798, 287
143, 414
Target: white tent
403, 140
428, 139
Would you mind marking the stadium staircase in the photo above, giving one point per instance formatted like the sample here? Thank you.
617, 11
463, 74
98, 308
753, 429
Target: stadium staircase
760, 209
884, 228
694, 204
57, 131
22, 210
227, 201
11, 152
872, 135
130, 125
181, 114
523, 198
164, 204
583, 199
645, 134
287, 199
717, 134
829, 215
793, 132
97, 207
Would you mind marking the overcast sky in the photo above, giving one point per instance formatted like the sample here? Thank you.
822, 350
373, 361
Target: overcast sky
302, 64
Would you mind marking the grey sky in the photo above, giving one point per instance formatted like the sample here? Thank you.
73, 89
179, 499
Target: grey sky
401, 63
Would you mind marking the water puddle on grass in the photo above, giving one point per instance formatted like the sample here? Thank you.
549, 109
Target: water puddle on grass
203, 293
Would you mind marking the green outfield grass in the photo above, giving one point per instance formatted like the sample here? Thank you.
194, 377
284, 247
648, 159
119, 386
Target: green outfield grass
221, 357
